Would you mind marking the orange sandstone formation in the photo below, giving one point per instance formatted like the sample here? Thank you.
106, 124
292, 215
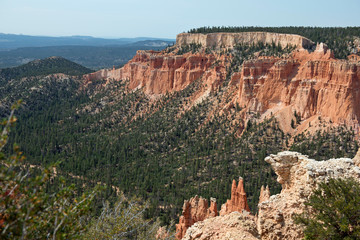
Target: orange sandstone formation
298, 176
311, 82
194, 210
238, 201
159, 73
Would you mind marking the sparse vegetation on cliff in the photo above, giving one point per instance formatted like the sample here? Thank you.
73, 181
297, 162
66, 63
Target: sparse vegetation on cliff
193, 48
243, 52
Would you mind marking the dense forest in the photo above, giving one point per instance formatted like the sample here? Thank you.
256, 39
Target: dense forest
340, 40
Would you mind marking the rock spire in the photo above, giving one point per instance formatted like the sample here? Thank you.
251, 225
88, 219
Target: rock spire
238, 201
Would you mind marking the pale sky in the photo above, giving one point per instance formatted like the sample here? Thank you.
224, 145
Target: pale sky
166, 18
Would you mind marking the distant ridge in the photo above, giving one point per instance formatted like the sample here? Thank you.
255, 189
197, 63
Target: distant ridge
13, 41
45, 66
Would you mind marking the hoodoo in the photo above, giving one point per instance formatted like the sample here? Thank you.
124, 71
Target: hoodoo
196, 209
238, 201
298, 176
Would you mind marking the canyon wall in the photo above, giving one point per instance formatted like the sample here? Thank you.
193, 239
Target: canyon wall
312, 83
229, 40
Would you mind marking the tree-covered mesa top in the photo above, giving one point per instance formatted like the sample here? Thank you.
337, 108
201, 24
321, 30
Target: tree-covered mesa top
340, 40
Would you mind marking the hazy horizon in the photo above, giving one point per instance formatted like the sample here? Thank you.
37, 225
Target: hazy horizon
165, 19
66, 36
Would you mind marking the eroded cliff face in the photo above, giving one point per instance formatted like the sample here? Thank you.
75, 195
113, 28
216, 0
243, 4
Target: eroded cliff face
229, 40
197, 209
312, 83
159, 73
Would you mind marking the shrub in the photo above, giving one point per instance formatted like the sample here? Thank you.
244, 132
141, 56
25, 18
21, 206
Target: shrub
125, 220
333, 211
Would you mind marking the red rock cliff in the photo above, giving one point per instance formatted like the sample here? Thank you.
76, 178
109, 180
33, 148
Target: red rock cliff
312, 84
159, 73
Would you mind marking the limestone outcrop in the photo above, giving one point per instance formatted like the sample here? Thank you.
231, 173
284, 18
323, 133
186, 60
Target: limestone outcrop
356, 159
195, 210
229, 40
238, 201
239, 226
298, 176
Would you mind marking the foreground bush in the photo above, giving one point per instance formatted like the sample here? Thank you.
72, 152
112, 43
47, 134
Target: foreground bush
333, 211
